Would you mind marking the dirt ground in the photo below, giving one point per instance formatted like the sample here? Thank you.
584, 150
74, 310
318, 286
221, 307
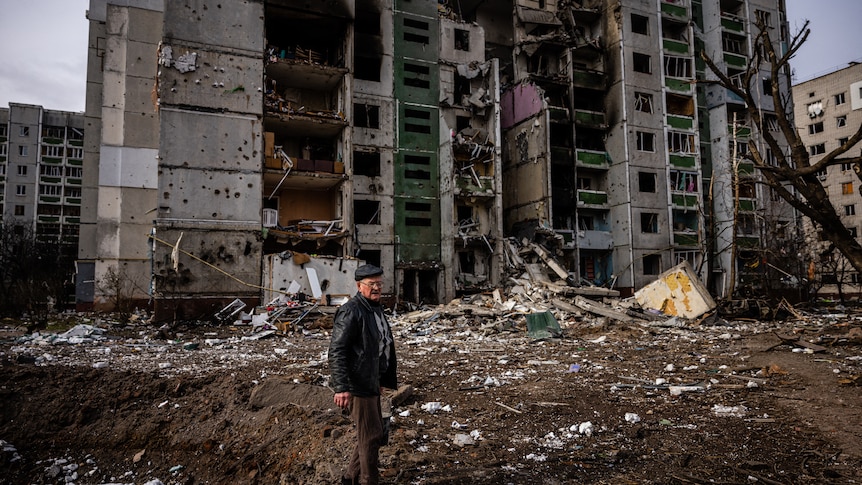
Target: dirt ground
716, 401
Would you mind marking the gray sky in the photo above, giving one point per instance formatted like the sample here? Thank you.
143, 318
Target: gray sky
43, 47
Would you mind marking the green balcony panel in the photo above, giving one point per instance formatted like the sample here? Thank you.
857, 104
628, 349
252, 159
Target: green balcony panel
682, 161
684, 200
76, 143
680, 85
735, 60
559, 115
74, 163
73, 201
49, 199
682, 122
73, 220
748, 242
593, 159
50, 180
52, 141
748, 205
590, 118
675, 46
685, 239
591, 197
48, 218
731, 24
73, 181
674, 10
52, 160
589, 79
741, 130
468, 184
745, 168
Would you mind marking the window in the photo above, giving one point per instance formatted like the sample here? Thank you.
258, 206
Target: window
75, 172
645, 141
366, 163
22, 170
585, 183
20, 190
50, 190
411, 25
462, 40
771, 158
417, 120
839, 99
643, 102
847, 188
366, 211
850, 210
818, 149
767, 85
841, 142
53, 132
852, 231
19, 210
3, 131
683, 181
652, 264
51, 170
846, 166
815, 128
72, 191
771, 122
732, 44
854, 277
765, 17
366, 116
77, 153
24, 131
640, 24
681, 142
3, 149
22, 150
646, 181
841, 121
52, 151
649, 222
677, 66
641, 63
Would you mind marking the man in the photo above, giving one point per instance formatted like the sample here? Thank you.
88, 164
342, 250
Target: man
362, 361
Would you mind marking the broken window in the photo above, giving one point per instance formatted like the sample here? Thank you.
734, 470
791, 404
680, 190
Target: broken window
50, 189
22, 150
19, 210
416, 75
646, 181
681, 142
366, 163
649, 222
586, 223
652, 264
771, 159
767, 85
462, 40
53, 132
584, 183
641, 63
818, 149
764, 16
52, 151
50, 170
640, 24
366, 211
645, 141
839, 99
771, 122
366, 115
842, 141
74, 172
370, 256
841, 121
732, 44
24, 131
677, 66
815, 128
75, 153
467, 262
683, 181
643, 102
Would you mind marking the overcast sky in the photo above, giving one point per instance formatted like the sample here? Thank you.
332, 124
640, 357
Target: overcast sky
43, 47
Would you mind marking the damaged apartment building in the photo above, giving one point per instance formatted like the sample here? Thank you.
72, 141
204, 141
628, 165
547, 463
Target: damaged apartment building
240, 150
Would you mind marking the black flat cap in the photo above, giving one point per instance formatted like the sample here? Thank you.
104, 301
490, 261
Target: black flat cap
367, 271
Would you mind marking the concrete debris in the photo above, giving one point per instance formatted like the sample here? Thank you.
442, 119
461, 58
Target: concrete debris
677, 292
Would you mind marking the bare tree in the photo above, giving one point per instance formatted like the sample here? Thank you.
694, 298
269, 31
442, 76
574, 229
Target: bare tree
792, 176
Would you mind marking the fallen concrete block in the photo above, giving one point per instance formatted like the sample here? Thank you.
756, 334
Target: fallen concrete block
677, 292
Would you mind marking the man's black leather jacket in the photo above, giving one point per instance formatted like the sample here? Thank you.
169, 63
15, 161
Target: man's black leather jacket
354, 360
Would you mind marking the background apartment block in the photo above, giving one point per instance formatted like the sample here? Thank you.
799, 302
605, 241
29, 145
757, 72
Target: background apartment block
41, 158
828, 111
414, 135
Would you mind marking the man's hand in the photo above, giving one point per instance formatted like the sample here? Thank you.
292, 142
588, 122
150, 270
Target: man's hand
342, 399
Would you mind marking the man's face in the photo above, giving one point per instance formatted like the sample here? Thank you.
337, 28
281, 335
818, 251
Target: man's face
371, 287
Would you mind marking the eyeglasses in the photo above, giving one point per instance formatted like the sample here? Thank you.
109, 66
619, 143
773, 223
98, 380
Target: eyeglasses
373, 284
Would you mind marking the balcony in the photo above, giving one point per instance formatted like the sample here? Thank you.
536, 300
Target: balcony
741, 131
72, 201
674, 10
592, 198
675, 46
52, 160
685, 238
586, 78
49, 199
73, 181
681, 122
679, 85
683, 200
747, 241
732, 24
590, 119
747, 205
558, 114
683, 161
600, 240
591, 159
467, 185
48, 219
745, 169
74, 162
735, 60
71, 220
